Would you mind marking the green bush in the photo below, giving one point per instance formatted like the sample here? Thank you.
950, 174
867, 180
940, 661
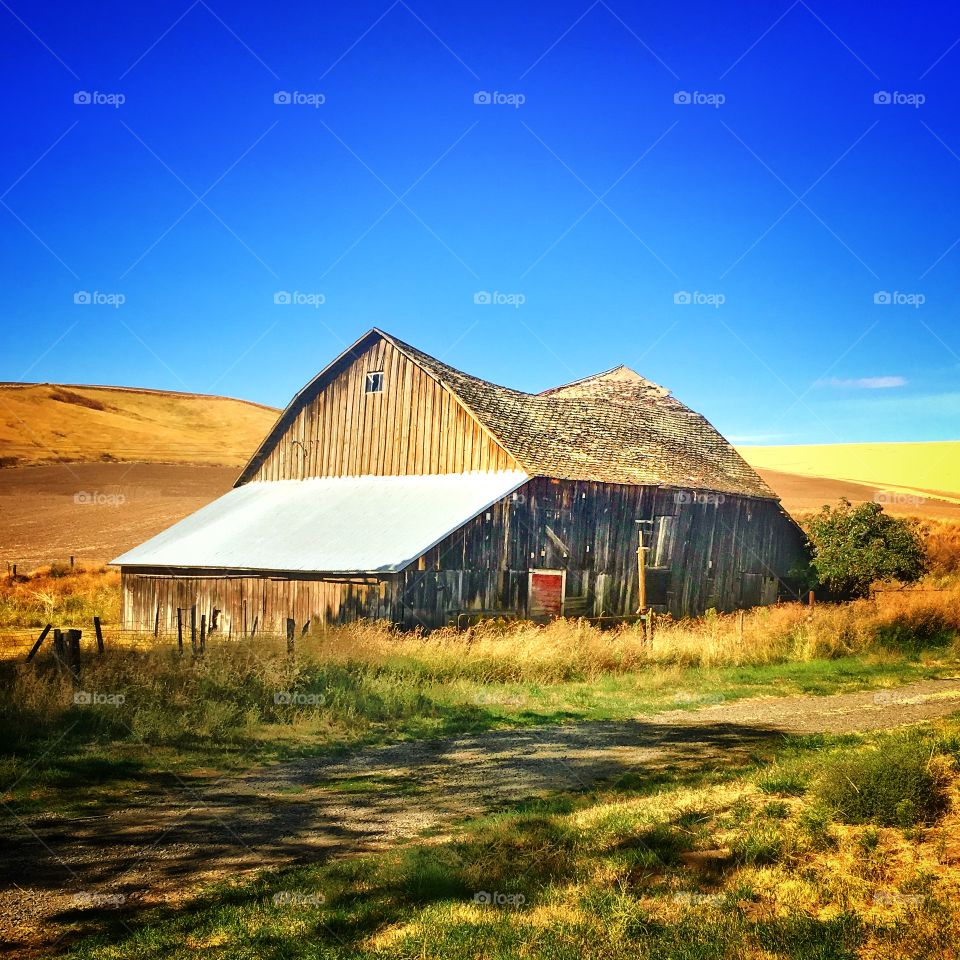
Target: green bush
901, 784
854, 546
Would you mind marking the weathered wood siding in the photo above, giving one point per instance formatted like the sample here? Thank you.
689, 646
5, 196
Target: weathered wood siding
243, 600
414, 426
704, 551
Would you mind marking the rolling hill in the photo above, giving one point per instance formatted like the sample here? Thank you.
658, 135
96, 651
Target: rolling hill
51, 423
91, 471
920, 479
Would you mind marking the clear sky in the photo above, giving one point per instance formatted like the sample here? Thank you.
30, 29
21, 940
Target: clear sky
731, 246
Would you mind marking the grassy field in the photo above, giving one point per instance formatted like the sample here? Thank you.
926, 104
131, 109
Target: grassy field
764, 851
821, 848
247, 702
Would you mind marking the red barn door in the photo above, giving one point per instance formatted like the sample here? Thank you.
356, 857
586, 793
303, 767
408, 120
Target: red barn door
545, 594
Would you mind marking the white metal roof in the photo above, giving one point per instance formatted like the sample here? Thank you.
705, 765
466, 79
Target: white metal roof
327, 524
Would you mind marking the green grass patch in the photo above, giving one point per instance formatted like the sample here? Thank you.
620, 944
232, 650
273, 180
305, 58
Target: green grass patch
625, 872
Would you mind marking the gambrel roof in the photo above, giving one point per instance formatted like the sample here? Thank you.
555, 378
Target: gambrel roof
613, 427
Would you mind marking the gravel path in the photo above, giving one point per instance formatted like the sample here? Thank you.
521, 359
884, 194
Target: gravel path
57, 875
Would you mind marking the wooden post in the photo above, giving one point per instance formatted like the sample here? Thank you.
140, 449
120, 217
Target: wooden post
291, 627
156, 623
40, 640
180, 630
99, 632
193, 628
256, 620
14, 571
71, 561
73, 651
59, 648
306, 627
203, 631
641, 572
812, 599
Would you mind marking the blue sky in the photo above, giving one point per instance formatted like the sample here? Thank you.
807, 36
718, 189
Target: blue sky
777, 247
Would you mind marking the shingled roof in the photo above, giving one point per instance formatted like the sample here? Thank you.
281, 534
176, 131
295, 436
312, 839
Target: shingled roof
613, 427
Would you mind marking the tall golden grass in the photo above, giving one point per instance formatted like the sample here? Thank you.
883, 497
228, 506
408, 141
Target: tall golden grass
60, 595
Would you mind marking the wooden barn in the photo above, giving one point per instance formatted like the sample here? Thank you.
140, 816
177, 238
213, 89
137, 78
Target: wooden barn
396, 487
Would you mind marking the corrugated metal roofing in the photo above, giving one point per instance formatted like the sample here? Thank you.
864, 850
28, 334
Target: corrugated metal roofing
325, 524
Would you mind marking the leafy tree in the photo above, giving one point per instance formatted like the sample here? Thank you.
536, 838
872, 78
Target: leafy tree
854, 546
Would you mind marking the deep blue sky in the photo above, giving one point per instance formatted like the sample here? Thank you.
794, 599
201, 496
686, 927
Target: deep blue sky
598, 200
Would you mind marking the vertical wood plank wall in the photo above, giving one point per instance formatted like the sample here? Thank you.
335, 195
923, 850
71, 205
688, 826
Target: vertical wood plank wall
414, 426
715, 552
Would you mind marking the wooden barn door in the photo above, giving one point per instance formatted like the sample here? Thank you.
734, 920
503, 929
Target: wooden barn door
545, 594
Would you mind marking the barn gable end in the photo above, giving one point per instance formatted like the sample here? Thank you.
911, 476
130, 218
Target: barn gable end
414, 425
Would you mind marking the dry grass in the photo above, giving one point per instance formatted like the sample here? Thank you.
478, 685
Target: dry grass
943, 548
116, 423
508, 651
59, 595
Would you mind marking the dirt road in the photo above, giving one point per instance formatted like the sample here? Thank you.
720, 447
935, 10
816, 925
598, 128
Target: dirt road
309, 810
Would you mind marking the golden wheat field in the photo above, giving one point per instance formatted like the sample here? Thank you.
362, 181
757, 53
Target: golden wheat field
913, 470
50, 423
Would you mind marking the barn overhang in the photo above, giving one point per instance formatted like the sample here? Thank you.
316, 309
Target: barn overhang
334, 525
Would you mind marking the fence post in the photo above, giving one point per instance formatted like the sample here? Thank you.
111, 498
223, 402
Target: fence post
180, 631
203, 631
156, 623
73, 650
59, 648
193, 628
99, 632
256, 620
40, 640
306, 627
291, 627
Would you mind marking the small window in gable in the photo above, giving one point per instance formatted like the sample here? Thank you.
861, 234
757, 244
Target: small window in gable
374, 382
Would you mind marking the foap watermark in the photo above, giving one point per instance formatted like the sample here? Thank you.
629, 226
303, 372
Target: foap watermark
495, 98
97, 298
297, 899
297, 98
96, 698
90, 898
884, 698
897, 298
697, 298
893, 898
698, 98
484, 898
96, 98
699, 496
298, 298
685, 698
896, 98
500, 699
295, 698
499, 299
93, 498
691, 899
892, 499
